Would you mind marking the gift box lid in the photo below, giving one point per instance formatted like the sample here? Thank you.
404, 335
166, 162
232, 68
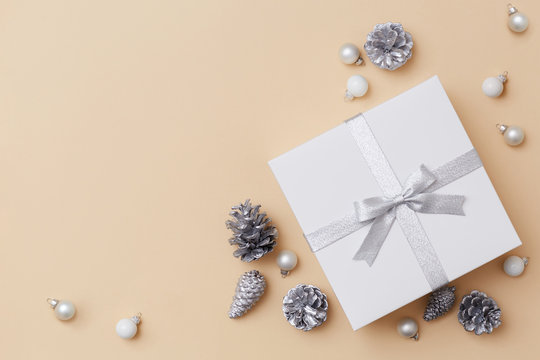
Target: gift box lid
324, 177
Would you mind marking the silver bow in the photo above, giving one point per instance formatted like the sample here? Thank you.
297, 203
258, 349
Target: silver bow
398, 203
382, 210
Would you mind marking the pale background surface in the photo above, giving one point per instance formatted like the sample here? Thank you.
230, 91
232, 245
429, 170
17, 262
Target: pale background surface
128, 128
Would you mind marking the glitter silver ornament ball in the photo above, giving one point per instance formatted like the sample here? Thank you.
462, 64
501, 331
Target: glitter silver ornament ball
517, 21
408, 328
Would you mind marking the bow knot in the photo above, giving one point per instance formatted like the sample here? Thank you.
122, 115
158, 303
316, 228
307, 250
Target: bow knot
416, 196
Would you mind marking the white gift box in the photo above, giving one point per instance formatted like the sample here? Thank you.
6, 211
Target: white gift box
323, 178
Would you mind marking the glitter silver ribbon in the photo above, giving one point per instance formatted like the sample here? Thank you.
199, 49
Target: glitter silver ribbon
398, 203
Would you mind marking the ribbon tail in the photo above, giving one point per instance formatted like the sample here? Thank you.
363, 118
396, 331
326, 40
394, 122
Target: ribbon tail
429, 203
375, 238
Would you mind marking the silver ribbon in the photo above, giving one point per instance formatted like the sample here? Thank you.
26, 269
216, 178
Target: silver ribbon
398, 203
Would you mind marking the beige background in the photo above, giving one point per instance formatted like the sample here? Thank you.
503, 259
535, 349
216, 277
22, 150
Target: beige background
128, 128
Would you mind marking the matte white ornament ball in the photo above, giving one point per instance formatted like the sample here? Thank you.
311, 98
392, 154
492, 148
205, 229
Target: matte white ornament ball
286, 261
494, 86
127, 328
513, 135
517, 21
63, 309
408, 328
514, 265
357, 86
350, 54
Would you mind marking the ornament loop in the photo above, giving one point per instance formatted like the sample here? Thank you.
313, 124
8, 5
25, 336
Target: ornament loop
52, 302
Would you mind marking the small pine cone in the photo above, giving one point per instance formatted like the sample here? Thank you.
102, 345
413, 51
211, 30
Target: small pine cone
440, 301
479, 313
249, 290
388, 46
252, 232
305, 307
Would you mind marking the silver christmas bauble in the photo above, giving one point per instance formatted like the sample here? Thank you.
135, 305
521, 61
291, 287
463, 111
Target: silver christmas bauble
63, 309
514, 265
408, 328
350, 54
286, 261
517, 21
513, 135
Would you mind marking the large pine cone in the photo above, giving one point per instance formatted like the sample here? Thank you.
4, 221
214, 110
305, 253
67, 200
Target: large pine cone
252, 232
249, 290
388, 46
305, 307
479, 313
440, 301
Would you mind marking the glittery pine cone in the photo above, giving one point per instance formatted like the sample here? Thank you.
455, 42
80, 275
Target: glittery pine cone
388, 46
440, 301
479, 313
305, 307
249, 290
252, 232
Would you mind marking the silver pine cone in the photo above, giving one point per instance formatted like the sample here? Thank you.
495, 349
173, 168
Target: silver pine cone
479, 313
249, 290
252, 232
440, 301
305, 307
388, 46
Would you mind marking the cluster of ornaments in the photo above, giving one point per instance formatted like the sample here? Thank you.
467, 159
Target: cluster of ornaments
477, 312
388, 47
304, 306
494, 86
65, 310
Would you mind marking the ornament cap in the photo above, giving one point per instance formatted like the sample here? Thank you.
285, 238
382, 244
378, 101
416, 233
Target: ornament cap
348, 96
416, 336
136, 318
503, 77
502, 128
52, 302
284, 273
525, 260
512, 9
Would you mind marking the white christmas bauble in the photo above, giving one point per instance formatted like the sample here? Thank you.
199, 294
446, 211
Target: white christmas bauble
514, 265
518, 22
126, 328
286, 261
514, 135
349, 53
357, 86
492, 87
64, 310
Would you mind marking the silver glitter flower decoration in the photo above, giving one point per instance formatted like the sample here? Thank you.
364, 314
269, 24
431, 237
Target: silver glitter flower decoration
305, 307
388, 46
